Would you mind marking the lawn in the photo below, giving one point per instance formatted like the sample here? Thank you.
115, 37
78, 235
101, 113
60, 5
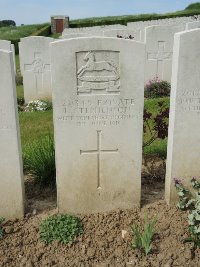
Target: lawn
11, 33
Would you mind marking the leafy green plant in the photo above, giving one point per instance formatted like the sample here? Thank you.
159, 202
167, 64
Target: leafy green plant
191, 202
1, 229
157, 88
39, 160
63, 228
143, 235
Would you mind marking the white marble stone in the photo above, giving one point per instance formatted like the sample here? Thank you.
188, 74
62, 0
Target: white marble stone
183, 151
6, 45
159, 51
98, 94
35, 67
11, 178
125, 33
75, 35
193, 25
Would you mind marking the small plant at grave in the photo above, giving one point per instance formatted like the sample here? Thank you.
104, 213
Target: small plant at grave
39, 160
157, 88
190, 202
156, 125
38, 105
143, 235
63, 228
1, 229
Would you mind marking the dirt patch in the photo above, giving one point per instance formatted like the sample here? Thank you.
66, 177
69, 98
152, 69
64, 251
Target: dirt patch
107, 238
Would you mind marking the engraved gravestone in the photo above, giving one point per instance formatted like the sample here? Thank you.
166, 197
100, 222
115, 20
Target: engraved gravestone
75, 35
98, 117
35, 67
159, 50
183, 152
11, 178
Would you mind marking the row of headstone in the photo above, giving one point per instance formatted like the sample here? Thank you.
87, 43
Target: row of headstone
98, 116
35, 56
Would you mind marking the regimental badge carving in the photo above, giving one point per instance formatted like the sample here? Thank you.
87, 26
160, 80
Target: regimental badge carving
98, 72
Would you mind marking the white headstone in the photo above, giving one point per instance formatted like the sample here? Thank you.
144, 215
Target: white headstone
159, 50
11, 178
192, 25
183, 152
6, 45
124, 33
35, 67
75, 35
98, 116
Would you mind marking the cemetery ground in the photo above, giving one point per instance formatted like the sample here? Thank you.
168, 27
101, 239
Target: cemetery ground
107, 237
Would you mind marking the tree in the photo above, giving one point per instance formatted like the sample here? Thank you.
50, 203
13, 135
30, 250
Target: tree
193, 6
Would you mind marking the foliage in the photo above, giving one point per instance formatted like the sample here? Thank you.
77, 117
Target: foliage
193, 6
143, 235
157, 88
191, 202
98, 21
156, 124
4, 23
39, 160
44, 31
63, 228
1, 229
38, 105
18, 78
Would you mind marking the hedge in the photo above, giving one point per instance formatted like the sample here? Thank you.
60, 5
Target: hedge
98, 21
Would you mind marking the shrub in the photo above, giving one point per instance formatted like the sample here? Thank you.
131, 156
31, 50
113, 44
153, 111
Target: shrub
1, 229
156, 88
191, 202
143, 235
38, 105
39, 160
193, 6
156, 125
63, 228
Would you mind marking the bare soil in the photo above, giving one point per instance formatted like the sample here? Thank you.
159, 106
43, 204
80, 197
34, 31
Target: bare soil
107, 238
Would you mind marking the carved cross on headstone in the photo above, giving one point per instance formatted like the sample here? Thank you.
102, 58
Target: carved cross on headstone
160, 57
38, 67
98, 152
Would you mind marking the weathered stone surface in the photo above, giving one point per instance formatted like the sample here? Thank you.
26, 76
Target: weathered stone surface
6, 45
183, 152
193, 25
124, 33
75, 35
159, 51
35, 67
11, 178
98, 116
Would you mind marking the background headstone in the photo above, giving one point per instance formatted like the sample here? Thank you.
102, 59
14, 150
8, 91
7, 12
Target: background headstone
124, 33
159, 51
183, 152
6, 45
74, 35
11, 178
35, 67
98, 94
193, 25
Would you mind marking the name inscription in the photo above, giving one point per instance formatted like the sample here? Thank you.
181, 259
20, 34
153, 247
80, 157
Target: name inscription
189, 101
98, 111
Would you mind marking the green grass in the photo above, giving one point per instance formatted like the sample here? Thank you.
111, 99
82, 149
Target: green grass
159, 146
35, 125
20, 91
17, 62
11, 33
